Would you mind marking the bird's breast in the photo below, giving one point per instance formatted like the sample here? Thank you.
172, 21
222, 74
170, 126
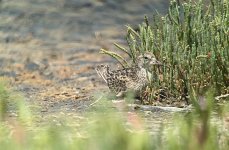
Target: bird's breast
139, 81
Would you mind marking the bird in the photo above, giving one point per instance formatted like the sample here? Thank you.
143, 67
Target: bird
133, 78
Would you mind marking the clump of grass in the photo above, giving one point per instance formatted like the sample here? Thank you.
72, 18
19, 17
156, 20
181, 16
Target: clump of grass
12, 103
192, 42
202, 128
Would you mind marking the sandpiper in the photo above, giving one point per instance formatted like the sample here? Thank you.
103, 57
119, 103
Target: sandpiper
133, 78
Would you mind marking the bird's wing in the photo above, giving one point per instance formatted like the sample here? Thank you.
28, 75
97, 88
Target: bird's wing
126, 75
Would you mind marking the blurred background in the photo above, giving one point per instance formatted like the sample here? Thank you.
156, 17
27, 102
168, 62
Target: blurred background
73, 20
49, 47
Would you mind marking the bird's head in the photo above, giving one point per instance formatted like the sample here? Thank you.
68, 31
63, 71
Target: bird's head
147, 59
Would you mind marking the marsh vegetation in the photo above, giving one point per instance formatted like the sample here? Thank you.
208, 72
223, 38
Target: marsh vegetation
191, 41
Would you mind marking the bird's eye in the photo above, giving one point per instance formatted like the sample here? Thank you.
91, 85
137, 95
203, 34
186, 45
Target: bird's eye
146, 57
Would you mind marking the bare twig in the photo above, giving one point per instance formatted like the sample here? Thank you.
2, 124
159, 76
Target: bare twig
221, 96
96, 101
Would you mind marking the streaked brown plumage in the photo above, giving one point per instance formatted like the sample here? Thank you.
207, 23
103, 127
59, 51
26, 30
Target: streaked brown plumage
133, 78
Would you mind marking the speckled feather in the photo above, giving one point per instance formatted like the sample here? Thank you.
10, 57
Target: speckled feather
133, 78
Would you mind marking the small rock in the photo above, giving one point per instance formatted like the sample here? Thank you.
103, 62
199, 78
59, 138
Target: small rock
31, 66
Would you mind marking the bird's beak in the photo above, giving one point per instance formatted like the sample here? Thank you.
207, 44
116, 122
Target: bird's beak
156, 62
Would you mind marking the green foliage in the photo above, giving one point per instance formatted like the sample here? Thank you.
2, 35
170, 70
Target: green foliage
111, 130
12, 102
3, 101
192, 41
199, 129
